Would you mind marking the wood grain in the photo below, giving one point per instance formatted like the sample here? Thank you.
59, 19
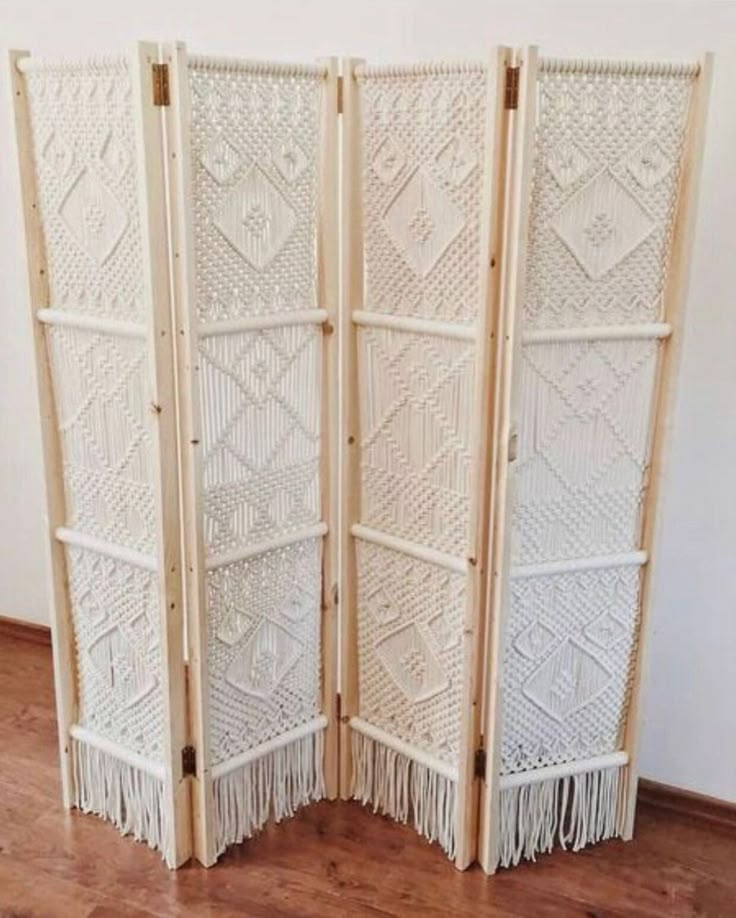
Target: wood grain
333, 859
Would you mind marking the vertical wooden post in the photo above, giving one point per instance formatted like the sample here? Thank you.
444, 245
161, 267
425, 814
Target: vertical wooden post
178, 122
351, 266
506, 367
329, 300
674, 301
158, 310
477, 578
53, 481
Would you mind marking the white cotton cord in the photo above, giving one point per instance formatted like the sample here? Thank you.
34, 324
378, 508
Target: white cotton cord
128, 797
273, 786
572, 811
399, 787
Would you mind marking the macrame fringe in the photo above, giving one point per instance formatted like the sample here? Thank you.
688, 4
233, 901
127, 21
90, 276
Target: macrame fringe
399, 787
124, 795
274, 786
574, 811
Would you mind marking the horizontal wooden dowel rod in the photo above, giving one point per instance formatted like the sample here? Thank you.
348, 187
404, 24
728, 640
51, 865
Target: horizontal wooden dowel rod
89, 738
256, 68
554, 772
629, 559
278, 742
415, 326
405, 749
687, 69
109, 549
598, 333
420, 552
260, 548
90, 323
423, 68
97, 63
259, 323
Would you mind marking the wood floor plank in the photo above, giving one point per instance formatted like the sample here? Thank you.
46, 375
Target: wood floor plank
331, 860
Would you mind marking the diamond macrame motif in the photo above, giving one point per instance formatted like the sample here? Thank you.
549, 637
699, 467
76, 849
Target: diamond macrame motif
381, 605
220, 159
606, 631
289, 159
122, 667
115, 156
94, 216
388, 161
456, 160
602, 224
233, 626
566, 681
534, 640
264, 660
649, 165
422, 221
58, 155
256, 219
412, 665
567, 163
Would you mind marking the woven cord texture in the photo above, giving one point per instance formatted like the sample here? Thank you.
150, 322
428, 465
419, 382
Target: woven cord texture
87, 178
255, 141
607, 161
422, 173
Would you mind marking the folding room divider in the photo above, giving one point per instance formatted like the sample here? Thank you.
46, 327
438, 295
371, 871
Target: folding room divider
513, 240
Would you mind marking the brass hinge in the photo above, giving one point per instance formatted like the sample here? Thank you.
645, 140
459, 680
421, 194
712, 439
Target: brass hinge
161, 84
189, 761
512, 88
479, 769
340, 84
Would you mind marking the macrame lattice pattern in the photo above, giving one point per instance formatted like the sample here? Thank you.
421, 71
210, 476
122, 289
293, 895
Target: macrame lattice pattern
423, 148
410, 618
260, 391
116, 631
607, 164
604, 190
423, 161
104, 425
566, 669
87, 179
416, 395
255, 145
263, 634
254, 142
583, 445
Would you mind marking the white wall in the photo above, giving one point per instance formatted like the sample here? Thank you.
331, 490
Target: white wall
690, 733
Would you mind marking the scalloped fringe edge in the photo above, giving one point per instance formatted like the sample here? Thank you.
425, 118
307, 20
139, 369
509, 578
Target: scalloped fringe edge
124, 795
401, 788
274, 786
573, 811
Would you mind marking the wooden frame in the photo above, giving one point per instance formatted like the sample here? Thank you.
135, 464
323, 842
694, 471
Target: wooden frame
475, 566
161, 394
666, 329
189, 329
674, 303
53, 481
351, 267
512, 285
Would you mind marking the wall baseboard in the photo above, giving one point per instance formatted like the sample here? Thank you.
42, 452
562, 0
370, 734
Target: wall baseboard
24, 631
687, 803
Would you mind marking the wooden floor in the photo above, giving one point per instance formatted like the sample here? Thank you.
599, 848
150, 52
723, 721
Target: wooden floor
333, 859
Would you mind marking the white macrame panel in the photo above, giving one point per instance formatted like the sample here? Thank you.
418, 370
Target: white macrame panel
606, 167
87, 180
255, 145
424, 153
